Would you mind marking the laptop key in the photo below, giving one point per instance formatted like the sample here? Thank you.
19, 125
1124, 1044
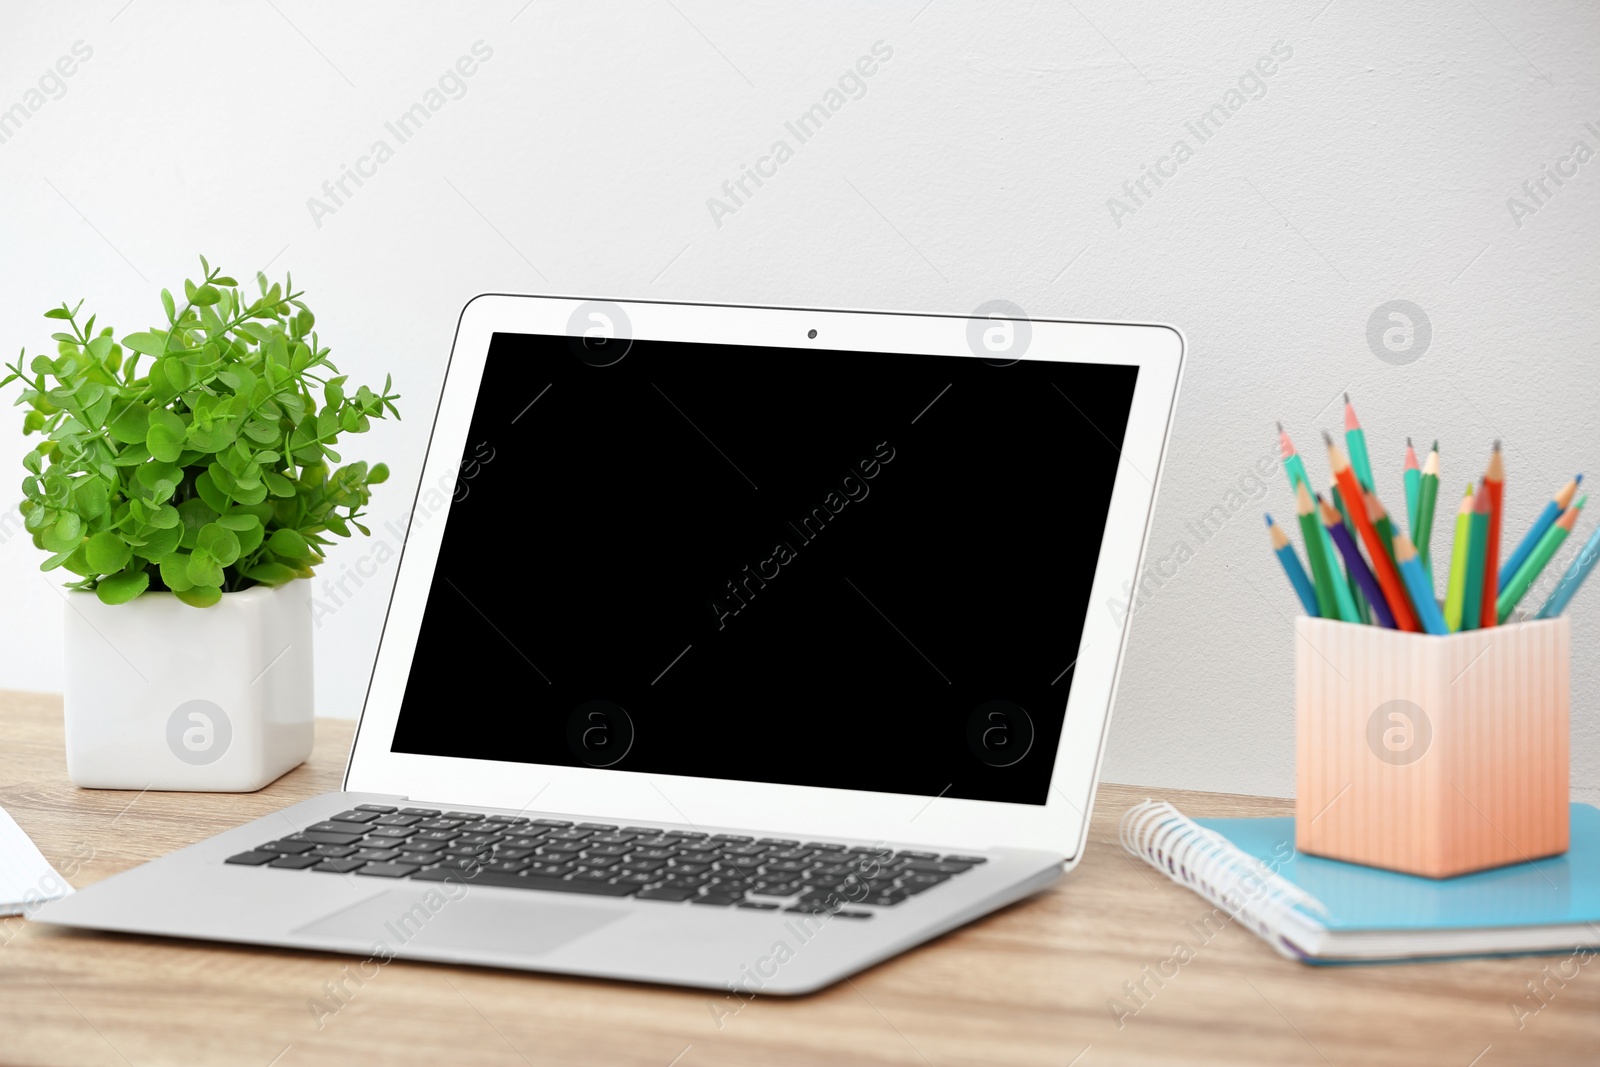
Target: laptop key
335, 852
550, 822
718, 900
635, 878
758, 905
506, 866
388, 870
930, 867
355, 815
414, 845
317, 837
371, 854
418, 859
287, 847
668, 892
398, 820
398, 831
426, 813
252, 858
917, 883
853, 914
334, 827
974, 860
337, 866
295, 863
381, 809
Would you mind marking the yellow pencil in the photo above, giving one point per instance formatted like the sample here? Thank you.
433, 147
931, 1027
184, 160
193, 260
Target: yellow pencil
1456, 591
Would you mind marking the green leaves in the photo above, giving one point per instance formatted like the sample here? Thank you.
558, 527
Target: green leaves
206, 470
165, 436
122, 587
106, 552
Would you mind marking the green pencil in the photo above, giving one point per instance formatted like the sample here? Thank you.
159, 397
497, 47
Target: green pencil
1381, 522
1548, 545
1427, 500
1321, 574
1344, 590
1477, 548
1457, 584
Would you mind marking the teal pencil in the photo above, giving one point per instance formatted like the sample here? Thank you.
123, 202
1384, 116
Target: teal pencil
1428, 613
1293, 568
1413, 480
1356, 440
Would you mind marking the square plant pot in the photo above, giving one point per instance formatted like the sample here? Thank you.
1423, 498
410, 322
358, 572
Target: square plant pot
164, 696
1432, 755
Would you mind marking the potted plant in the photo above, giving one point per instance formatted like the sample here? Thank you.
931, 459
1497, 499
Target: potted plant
184, 477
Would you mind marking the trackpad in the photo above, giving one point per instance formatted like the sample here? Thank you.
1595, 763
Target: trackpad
451, 918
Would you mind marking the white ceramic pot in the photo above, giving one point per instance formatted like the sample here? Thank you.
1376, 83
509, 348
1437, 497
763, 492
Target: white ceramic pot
161, 695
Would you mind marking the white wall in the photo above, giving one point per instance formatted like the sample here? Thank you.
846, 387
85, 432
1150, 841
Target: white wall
978, 165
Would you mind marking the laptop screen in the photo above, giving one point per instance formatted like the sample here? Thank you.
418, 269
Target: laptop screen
851, 570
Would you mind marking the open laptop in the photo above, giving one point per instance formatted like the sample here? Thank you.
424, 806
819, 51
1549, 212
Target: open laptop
732, 647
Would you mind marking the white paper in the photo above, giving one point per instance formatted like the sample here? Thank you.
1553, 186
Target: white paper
26, 878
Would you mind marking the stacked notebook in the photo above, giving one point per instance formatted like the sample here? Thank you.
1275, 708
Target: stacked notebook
1324, 911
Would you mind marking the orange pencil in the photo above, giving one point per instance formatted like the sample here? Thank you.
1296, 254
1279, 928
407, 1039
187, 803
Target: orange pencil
1382, 565
1494, 480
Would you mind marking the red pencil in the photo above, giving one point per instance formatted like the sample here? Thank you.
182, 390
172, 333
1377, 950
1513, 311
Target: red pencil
1383, 566
1494, 480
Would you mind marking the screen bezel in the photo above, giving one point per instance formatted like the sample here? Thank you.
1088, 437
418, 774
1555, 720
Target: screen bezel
1060, 825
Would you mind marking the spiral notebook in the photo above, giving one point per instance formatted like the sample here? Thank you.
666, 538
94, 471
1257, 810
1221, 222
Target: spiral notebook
1325, 911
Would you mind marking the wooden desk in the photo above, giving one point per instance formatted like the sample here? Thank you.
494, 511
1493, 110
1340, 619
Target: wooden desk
1030, 985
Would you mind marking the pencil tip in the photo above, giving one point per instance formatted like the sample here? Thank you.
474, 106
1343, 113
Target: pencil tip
1497, 444
1408, 443
1328, 437
1269, 517
1280, 425
1347, 398
1579, 478
1436, 444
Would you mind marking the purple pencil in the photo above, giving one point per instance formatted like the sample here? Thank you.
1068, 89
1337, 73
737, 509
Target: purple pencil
1356, 565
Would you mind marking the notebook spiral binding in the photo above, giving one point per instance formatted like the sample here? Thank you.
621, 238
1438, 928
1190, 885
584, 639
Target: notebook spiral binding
1208, 864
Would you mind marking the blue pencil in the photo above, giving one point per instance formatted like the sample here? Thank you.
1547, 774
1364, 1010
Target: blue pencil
1417, 584
1570, 581
1293, 568
1541, 525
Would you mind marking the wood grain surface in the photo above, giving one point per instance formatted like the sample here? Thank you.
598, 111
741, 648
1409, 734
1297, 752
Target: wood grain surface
1034, 984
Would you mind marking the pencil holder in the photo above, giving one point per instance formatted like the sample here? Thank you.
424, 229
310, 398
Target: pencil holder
1432, 755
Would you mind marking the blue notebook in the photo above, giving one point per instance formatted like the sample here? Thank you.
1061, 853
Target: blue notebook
1324, 911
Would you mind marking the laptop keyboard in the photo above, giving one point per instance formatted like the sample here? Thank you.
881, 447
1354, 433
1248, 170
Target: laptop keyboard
601, 859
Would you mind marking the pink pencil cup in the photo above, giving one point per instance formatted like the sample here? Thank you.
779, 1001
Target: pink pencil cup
1432, 755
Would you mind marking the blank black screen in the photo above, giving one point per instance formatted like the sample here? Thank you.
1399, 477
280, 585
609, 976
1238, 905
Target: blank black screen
853, 570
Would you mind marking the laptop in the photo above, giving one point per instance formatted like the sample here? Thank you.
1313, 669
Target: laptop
730, 647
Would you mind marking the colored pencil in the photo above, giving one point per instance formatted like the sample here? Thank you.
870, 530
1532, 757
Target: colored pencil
1295, 467
1547, 517
1427, 501
1291, 566
1457, 583
1478, 537
1362, 605
1356, 439
1413, 482
1380, 521
1321, 565
1570, 581
1355, 565
1382, 566
1549, 544
1494, 483
1405, 555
